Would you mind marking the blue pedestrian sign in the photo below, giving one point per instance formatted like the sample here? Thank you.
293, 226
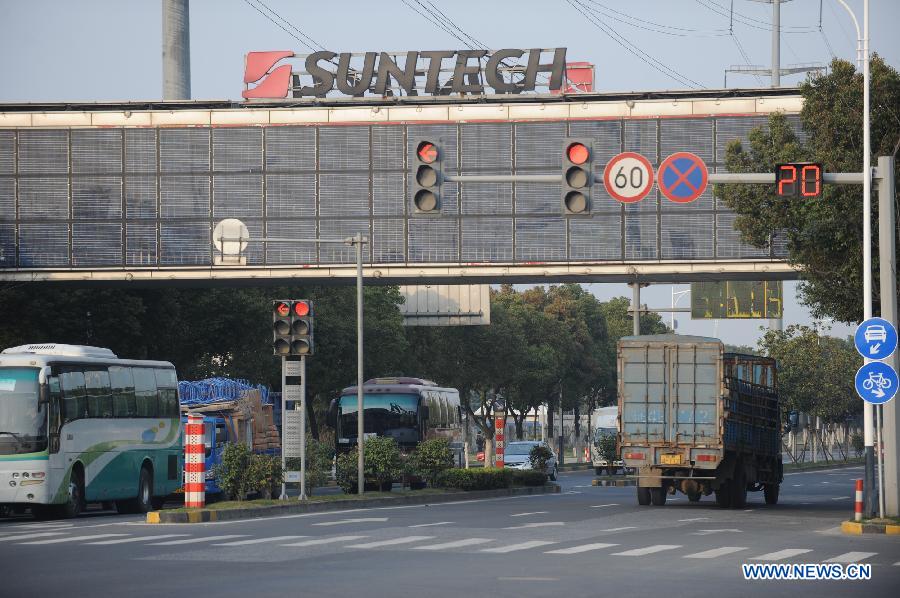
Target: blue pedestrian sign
876, 382
876, 338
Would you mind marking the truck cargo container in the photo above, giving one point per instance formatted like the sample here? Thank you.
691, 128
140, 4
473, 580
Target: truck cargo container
698, 420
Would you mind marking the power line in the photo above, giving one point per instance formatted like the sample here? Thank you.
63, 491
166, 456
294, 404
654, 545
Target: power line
307, 41
434, 21
822, 33
751, 22
648, 25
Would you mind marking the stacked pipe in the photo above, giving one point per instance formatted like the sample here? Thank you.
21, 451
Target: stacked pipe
194, 463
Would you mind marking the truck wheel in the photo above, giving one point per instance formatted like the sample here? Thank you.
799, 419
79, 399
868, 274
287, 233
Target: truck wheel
723, 496
770, 493
658, 496
694, 496
643, 495
598, 470
739, 489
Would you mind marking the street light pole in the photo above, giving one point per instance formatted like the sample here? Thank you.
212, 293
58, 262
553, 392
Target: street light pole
360, 428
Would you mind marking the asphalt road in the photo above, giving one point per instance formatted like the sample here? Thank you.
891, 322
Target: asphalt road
586, 541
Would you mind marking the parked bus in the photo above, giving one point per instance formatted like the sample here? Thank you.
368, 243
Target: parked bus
409, 410
81, 425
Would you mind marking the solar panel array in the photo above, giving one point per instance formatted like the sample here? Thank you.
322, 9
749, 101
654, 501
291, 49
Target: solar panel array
84, 198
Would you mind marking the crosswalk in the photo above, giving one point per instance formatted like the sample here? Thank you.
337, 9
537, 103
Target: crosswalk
427, 543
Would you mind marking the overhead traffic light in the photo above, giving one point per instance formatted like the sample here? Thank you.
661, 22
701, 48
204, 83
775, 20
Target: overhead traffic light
577, 177
425, 187
292, 327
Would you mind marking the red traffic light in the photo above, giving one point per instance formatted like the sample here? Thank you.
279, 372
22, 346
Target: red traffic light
283, 310
577, 153
427, 152
301, 308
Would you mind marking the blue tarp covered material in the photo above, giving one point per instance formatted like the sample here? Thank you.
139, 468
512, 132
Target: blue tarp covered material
217, 390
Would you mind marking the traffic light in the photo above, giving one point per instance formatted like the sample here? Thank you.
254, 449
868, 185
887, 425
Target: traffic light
292, 327
426, 177
576, 176
801, 179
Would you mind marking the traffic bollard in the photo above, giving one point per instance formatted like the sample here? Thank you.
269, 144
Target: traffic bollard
194, 463
859, 501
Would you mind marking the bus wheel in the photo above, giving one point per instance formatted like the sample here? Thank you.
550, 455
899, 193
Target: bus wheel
144, 500
74, 504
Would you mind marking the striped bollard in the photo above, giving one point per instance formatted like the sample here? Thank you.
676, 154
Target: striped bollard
859, 501
194, 463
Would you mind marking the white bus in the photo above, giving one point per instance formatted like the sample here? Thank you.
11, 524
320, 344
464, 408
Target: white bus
78, 425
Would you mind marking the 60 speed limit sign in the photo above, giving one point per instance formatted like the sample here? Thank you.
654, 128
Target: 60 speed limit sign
628, 177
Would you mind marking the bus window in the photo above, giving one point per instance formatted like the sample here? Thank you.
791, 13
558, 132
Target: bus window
74, 400
145, 393
99, 395
122, 383
168, 393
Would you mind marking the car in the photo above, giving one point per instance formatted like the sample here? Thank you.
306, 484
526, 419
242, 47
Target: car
876, 332
516, 456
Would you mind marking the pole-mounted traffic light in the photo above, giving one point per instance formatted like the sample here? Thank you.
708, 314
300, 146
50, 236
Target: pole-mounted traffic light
577, 178
426, 177
292, 327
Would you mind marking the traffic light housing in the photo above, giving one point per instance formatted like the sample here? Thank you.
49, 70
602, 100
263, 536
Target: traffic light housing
292, 327
425, 186
577, 176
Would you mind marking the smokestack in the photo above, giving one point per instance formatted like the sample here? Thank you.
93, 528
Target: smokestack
176, 50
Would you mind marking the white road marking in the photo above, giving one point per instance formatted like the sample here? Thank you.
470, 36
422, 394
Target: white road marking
579, 549
431, 524
359, 520
527, 579
618, 529
574, 492
27, 536
693, 519
612, 504
841, 498
392, 542
850, 557
648, 550
198, 540
794, 485
331, 540
537, 524
70, 539
531, 513
715, 552
456, 544
707, 532
135, 539
781, 554
897, 564
515, 547
824, 482
258, 540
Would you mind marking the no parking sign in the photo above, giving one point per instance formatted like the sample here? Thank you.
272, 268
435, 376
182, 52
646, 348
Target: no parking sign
682, 177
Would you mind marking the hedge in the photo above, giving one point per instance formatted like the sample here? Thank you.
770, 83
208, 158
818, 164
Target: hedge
489, 478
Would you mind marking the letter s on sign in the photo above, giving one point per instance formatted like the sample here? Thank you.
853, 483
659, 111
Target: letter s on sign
323, 80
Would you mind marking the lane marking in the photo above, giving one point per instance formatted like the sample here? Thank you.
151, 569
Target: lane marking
540, 524
841, 498
781, 554
70, 539
582, 548
136, 539
258, 540
850, 557
707, 532
431, 524
515, 547
27, 536
359, 520
715, 552
618, 529
531, 513
647, 550
693, 519
198, 540
612, 504
456, 544
393, 542
794, 485
527, 579
574, 492
330, 540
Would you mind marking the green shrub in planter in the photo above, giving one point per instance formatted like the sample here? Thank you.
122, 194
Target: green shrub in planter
233, 473
430, 459
265, 475
482, 478
383, 461
318, 463
346, 470
525, 477
539, 456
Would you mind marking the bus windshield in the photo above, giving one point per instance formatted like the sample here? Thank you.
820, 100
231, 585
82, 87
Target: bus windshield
23, 422
394, 415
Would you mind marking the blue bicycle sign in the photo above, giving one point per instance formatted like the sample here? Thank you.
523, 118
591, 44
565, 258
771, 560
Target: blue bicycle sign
876, 382
876, 338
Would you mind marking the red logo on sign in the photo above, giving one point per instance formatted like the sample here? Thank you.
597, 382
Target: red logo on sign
272, 83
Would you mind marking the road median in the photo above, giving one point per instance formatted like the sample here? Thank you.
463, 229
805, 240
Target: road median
291, 507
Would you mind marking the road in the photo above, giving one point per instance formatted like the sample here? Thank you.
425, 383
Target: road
585, 541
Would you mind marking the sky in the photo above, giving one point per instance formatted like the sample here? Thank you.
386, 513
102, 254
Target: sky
100, 50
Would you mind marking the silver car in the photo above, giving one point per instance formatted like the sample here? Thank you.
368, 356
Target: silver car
516, 454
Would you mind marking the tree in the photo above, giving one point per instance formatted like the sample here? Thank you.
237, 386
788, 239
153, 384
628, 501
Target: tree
824, 236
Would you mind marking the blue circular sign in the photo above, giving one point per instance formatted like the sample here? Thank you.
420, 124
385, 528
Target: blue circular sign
876, 338
682, 177
876, 382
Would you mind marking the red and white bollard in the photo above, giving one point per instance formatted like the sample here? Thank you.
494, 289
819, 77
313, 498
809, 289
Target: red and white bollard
859, 501
194, 463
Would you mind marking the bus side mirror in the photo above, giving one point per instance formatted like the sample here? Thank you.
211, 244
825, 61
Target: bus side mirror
331, 416
425, 412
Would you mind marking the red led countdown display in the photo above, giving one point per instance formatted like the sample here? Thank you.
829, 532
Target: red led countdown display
801, 179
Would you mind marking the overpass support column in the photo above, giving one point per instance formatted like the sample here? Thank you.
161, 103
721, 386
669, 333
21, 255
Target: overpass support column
890, 415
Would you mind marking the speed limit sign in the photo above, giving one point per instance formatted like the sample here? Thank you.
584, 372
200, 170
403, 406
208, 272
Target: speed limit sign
628, 177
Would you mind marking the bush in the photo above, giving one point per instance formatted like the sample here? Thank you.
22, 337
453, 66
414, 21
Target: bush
525, 477
481, 478
265, 475
345, 471
430, 459
318, 463
539, 457
383, 461
858, 444
233, 473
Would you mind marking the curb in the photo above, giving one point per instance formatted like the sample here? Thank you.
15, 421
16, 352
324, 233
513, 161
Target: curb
817, 466
206, 515
855, 528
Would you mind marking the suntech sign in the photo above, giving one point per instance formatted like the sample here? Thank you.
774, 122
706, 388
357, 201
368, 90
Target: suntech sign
432, 72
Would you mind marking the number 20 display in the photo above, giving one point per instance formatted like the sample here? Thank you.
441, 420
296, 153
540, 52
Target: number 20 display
798, 180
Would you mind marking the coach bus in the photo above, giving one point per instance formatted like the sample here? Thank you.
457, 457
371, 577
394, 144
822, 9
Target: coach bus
409, 410
79, 425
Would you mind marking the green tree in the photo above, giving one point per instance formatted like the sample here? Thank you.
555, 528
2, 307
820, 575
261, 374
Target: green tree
824, 236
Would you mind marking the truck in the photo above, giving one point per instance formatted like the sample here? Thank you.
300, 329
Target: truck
697, 420
604, 421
